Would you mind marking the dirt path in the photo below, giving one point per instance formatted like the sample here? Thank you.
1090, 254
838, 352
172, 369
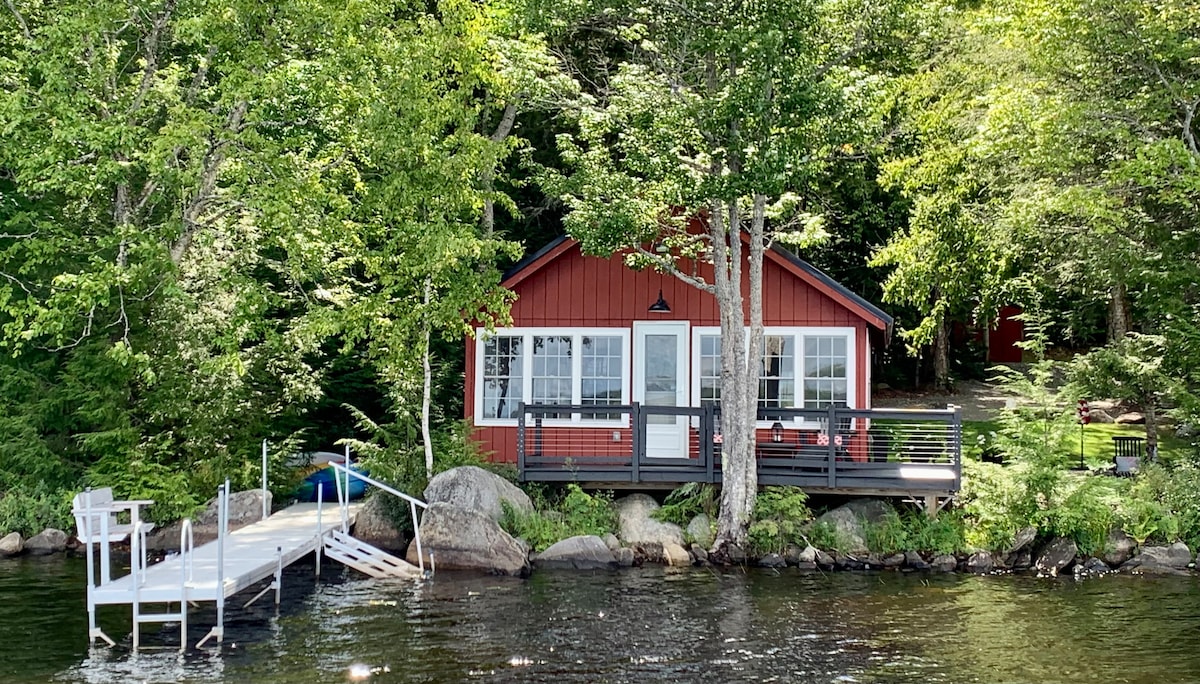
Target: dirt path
979, 400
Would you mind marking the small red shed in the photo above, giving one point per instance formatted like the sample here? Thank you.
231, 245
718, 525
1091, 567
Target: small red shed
589, 331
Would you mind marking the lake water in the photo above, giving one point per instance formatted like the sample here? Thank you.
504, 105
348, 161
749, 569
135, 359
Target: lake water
650, 624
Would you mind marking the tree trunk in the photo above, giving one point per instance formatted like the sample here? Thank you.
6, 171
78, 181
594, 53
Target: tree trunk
739, 372
427, 390
941, 356
1118, 313
1150, 410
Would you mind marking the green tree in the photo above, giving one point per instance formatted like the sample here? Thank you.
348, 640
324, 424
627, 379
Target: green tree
708, 129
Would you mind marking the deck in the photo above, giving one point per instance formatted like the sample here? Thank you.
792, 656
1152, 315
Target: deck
251, 555
865, 452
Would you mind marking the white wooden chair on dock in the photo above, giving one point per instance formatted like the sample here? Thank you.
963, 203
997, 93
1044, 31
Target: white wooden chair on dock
96, 516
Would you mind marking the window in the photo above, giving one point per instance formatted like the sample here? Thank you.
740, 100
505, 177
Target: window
588, 367
710, 368
777, 379
805, 368
601, 379
502, 377
825, 375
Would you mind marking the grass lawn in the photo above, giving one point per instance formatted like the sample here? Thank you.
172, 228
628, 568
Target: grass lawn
1097, 440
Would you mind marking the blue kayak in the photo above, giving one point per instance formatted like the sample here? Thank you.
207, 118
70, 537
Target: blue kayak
323, 481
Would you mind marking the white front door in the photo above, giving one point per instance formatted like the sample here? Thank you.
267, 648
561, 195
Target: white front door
660, 378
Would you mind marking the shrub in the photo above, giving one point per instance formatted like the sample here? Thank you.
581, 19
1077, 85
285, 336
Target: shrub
688, 501
35, 508
779, 517
916, 531
574, 513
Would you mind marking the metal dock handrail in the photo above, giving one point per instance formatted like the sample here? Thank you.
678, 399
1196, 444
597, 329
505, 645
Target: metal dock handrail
344, 498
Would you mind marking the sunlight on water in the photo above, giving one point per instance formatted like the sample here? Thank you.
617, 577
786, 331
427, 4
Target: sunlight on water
636, 625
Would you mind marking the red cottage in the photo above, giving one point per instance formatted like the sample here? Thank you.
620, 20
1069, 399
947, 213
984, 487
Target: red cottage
590, 334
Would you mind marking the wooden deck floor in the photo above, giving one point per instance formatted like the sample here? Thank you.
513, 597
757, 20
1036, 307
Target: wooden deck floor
252, 554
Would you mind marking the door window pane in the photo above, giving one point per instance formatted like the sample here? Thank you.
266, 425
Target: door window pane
661, 374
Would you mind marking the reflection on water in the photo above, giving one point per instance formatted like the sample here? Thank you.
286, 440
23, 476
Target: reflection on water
649, 624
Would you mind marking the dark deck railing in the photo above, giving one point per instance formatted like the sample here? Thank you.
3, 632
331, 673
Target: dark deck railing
867, 450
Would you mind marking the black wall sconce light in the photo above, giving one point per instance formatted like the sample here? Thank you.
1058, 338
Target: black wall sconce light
661, 305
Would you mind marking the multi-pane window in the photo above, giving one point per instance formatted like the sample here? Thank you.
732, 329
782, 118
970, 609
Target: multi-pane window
825, 366
710, 368
503, 379
601, 377
777, 380
552, 367
551, 371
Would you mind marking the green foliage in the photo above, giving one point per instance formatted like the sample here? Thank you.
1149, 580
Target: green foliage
915, 531
1164, 504
824, 536
33, 509
780, 515
569, 513
688, 501
140, 478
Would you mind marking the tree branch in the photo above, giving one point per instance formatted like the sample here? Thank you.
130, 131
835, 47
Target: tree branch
151, 68
20, 20
668, 266
210, 172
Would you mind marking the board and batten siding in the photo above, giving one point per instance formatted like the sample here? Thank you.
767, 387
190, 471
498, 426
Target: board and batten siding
576, 291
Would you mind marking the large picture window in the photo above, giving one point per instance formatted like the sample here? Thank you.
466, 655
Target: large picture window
588, 367
807, 368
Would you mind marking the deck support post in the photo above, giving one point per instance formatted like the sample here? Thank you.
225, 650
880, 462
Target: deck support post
637, 420
320, 546
831, 433
931, 505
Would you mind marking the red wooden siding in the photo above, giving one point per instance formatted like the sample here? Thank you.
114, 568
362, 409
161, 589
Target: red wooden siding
570, 290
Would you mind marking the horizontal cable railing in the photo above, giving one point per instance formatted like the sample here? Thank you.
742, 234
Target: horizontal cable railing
831, 447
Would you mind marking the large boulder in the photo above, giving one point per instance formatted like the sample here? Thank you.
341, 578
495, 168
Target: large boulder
245, 508
676, 555
474, 487
374, 526
700, 530
46, 542
11, 545
980, 563
1055, 556
944, 563
638, 528
1176, 556
577, 553
467, 539
1118, 548
847, 520
1023, 539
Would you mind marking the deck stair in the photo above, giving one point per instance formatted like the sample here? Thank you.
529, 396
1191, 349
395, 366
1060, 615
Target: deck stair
367, 559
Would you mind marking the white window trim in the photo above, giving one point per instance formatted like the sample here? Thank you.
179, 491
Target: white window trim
482, 335
799, 333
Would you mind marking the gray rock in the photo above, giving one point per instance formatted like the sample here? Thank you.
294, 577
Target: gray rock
736, 553
1055, 557
894, 561
772, 560
847, 524
1176, 556
699, 553
624, 557
374, 526
637, 527
807, 555
650, 552
806, 566
611, 541
824, 560
1100, 416
700, 530
1118, 548
944, 563
474, 487
1151, 564
873, 511
11, 545
913, 560
980, 562
46, 542
1023, 539
676, 555
467, 539
1186, 431
577, 553
1021, 560
1130, 418
245, 508
1092, 567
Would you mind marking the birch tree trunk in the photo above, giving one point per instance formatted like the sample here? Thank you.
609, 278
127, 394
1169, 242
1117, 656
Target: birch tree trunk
427, 390
1118, 313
